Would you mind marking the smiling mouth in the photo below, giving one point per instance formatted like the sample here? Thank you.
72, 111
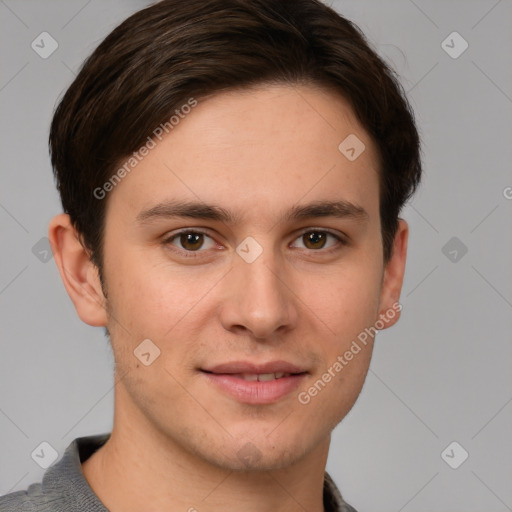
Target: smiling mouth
255, 388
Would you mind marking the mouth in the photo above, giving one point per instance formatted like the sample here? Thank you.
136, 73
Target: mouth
260, 377
255, 384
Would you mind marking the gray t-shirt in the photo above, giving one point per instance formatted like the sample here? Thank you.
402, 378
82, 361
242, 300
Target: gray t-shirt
65, 489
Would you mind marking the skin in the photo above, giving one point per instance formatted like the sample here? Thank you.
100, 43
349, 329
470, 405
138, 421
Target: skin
175, 437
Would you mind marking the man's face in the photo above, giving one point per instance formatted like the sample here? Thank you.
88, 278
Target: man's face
204, 300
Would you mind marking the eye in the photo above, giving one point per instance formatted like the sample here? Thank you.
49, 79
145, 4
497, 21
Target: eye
190, 241
317, 239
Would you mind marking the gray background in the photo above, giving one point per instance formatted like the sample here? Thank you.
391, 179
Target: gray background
442, 374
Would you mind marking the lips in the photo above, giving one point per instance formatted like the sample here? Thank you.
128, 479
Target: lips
245, 367
256, 383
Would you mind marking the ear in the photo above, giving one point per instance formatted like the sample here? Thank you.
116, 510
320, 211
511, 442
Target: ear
79, 275
389, 307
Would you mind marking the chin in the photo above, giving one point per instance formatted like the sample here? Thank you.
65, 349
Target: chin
249, 458
254, 454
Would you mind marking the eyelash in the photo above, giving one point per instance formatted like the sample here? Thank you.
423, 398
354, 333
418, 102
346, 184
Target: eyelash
195, 254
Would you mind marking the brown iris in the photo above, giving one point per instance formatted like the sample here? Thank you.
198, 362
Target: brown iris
191, 241
314, 239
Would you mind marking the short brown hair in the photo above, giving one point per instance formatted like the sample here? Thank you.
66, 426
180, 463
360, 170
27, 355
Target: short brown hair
163, 55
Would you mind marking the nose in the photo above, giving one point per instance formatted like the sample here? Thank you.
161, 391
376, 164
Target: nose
257, 300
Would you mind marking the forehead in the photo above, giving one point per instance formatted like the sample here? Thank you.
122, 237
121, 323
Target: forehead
259, 147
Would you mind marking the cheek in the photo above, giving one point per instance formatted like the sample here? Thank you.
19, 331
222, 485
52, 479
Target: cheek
347, 300
157, 300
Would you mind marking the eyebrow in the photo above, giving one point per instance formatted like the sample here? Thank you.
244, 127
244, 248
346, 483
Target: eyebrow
203, 211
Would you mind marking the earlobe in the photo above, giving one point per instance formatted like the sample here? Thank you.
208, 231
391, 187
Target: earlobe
79, 275
389, 306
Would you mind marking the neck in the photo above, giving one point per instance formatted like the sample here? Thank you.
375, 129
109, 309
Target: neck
140, 468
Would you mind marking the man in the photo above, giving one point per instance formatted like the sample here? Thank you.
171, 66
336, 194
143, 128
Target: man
231, 174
